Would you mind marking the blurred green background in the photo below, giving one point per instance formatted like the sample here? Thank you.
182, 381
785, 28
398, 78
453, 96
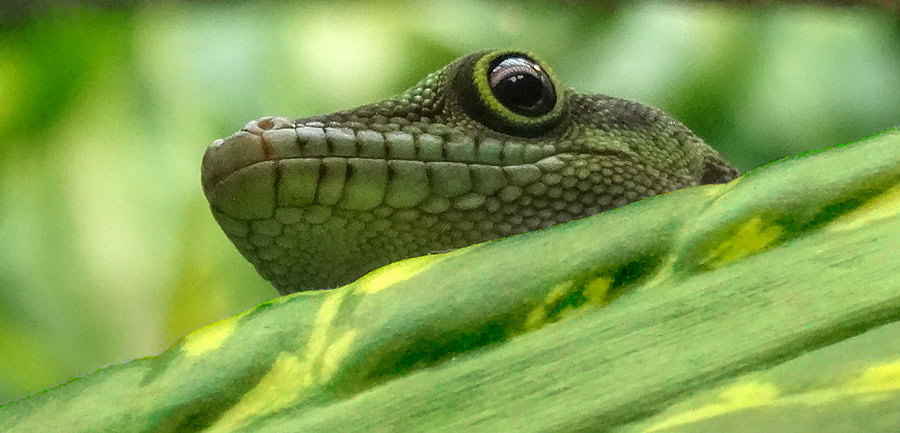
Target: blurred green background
109, 250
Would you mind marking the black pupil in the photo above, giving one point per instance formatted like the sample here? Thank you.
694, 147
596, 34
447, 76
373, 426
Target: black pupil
520, 90
522, 86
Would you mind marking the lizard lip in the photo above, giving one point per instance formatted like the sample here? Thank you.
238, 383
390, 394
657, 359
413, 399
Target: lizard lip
275, 162
242, 149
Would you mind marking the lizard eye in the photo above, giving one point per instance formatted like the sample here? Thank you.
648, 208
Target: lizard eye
508, 91
522, 86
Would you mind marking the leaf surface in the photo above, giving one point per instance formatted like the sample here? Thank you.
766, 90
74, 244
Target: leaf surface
771, 303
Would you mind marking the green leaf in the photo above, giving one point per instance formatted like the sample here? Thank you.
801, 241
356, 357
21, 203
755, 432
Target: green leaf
768, 304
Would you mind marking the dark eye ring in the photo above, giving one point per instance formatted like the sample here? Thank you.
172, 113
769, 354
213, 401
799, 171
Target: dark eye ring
521, 85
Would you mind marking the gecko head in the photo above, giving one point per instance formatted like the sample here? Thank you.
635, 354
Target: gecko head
489, 146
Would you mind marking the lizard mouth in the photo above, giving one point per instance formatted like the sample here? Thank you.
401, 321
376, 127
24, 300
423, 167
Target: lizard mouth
275, 162
314, 204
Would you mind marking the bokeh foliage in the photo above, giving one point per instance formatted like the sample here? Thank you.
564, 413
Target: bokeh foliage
109, 252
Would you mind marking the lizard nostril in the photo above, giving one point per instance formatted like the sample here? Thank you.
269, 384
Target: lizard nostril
265, 124
268, 123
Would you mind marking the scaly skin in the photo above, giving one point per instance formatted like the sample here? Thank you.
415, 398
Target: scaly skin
318, 202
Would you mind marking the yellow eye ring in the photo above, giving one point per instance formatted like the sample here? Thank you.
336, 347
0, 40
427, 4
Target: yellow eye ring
482, 73
479, 98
